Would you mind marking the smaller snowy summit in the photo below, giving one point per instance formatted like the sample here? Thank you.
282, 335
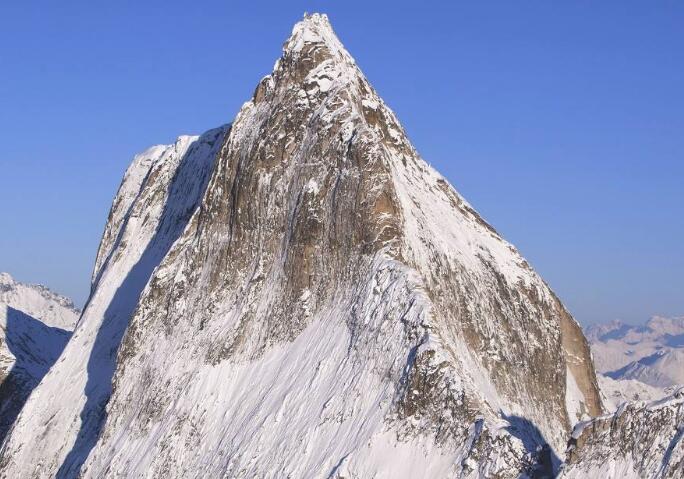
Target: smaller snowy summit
39, 302
35, 325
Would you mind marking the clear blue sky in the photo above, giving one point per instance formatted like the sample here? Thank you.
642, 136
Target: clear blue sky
561, 122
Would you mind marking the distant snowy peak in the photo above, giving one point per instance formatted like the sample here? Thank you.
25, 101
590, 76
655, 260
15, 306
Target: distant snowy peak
39, 302
661, 369
640, 440
669, 331
606, 331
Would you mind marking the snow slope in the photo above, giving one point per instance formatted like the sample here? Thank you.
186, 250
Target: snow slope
303, 296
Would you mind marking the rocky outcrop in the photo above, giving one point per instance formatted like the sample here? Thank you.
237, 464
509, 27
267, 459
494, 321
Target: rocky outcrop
640, 440
304, 296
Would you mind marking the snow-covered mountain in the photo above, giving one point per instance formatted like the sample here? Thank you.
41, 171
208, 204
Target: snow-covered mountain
159, 193
35, 325
639, 440
662, 369
301, 295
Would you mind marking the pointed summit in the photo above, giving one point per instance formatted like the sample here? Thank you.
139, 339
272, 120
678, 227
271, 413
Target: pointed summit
314, 28
314, 61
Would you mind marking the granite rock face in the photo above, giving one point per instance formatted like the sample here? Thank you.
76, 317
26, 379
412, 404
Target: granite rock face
301, 295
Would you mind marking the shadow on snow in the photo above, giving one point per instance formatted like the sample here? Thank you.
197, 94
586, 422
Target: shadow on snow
545, 460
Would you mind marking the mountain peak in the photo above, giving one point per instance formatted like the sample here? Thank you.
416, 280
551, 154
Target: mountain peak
314, 28
313, 60
6, 278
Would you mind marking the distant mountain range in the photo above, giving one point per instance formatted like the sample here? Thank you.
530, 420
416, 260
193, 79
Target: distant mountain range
638, 362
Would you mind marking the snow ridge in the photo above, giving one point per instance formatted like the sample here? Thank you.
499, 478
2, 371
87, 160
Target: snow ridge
154, 203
